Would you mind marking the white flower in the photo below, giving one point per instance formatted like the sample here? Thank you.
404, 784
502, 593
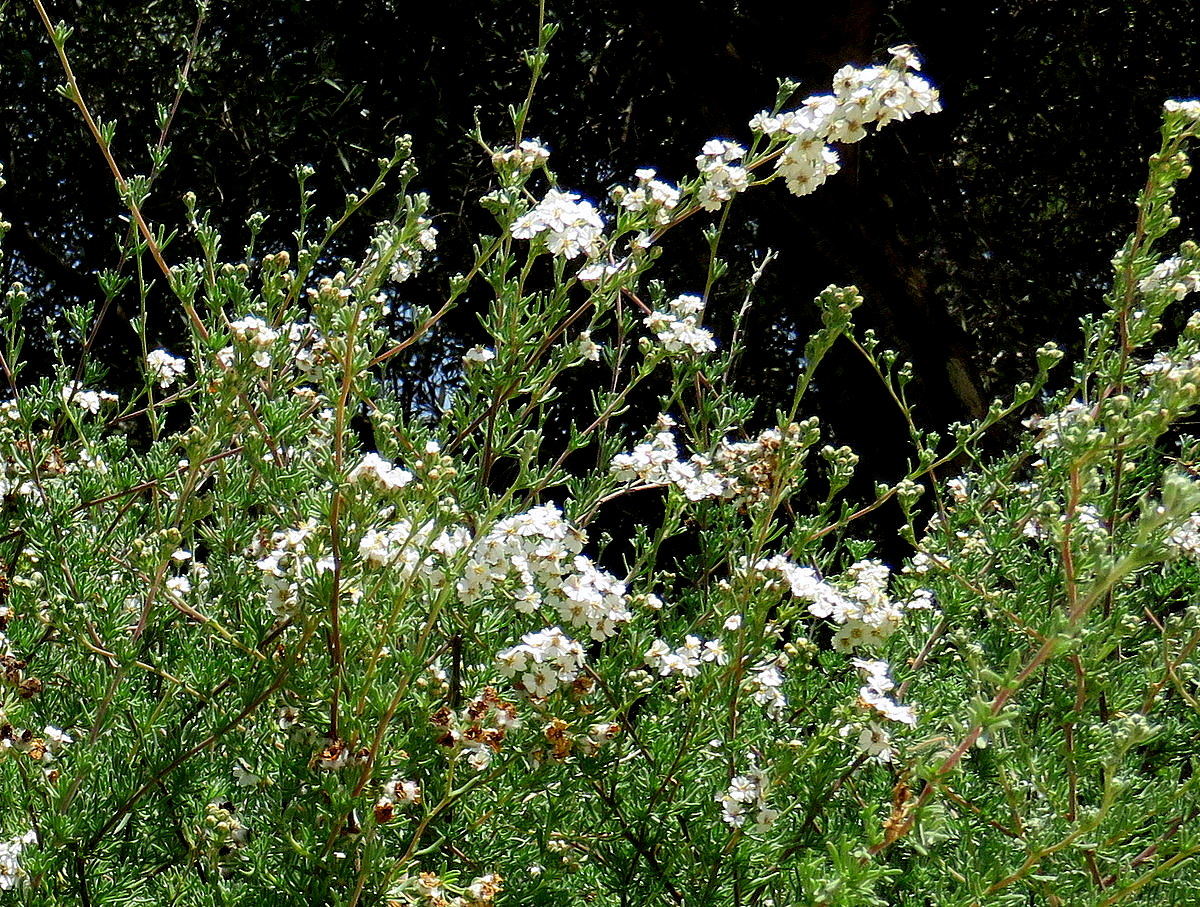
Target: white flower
243, 775
56, 740
743, 789
876, 743
714, 650
399, 791
478, 354
541, 681
587, 347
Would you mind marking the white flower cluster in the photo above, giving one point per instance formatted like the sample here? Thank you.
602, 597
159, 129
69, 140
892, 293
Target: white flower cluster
746, 796
721, 176
542, 661
428, 889
426, 241
1170, 275
764, 680
88, 401
1075, 422
1189, 107
383, 476
873, 739
164, 368
404, 247
478, 730
679, 329
254, 333
875, 95
572, 226
15, 479
42, 749
765, 683
535, 558
525, 158
1186, 538
1087, 523
408, 549
601, 270
873, 694
306, 347
587, 348
653, 196
865, 614
1173, 370
410, 255
11, 873
657, 462
686, 659
289, 565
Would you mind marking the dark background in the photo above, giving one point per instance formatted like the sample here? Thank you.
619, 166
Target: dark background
974, 235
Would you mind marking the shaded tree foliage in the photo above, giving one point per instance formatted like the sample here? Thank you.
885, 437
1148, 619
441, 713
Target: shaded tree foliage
974, 235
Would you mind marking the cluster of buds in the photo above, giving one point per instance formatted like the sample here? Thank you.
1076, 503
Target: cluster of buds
224, 834
753, 469
525, 158
43, 748
254, 335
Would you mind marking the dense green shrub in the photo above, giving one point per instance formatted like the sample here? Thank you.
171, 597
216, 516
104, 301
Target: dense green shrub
270, 638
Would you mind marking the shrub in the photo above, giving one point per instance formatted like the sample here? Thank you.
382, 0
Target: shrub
270, 638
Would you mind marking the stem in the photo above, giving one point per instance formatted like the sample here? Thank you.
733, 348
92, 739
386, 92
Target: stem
135, 212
